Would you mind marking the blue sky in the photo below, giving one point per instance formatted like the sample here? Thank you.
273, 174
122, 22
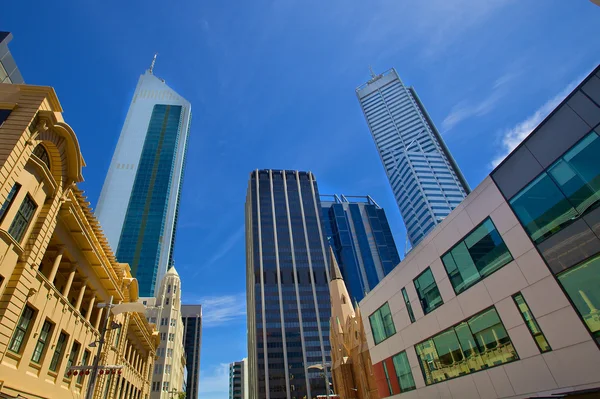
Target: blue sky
272, 83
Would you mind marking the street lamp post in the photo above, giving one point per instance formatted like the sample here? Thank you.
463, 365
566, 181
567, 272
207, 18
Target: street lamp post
92, 382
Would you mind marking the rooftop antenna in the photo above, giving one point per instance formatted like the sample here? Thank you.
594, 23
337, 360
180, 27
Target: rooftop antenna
153, 62
373, 75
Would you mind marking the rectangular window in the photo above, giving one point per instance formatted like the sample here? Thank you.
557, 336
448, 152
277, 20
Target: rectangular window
387, 378
58, 351
427, 291
382, 324
21, 221
568, 189
166, 301
475, 344
478, 255
4, 113
72, 356
21, 330
411, 315
42, 342
531, 323
169, 289
403, 372
581, 284
9, 200
84, 362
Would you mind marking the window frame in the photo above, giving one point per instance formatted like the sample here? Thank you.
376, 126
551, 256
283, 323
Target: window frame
23, 331
378, 312
58, 353
533, 320
414, 385
43, 343
428, 269
10, 199
411, 314
14, 227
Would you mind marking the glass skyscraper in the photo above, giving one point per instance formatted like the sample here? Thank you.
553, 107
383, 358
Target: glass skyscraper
287, 287
192, 340
426, 180
140, 197
361, 239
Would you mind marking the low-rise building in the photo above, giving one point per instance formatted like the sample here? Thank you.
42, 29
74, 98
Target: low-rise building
501, 299
56, 266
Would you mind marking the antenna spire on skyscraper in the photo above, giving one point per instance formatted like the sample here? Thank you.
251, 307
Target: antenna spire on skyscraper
373, 74
153, 62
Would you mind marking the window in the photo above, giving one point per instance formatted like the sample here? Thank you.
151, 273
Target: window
22, 218
581, 284
427, 291
169, 352
165, 386
21, 330
173, 322
568, 189
531, 323
166, 301
411, 315
58, 351
475, 344
481, 253
163, 321
382, 324
169, 289
403, 372
387, 377
42, 342
4, 113
84, 362
42, 154
73, 355
9, 200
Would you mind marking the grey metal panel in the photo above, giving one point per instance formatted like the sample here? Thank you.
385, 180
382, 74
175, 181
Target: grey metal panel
556, 136
593, 220
516, 172
592, 88
570, 246
585, 108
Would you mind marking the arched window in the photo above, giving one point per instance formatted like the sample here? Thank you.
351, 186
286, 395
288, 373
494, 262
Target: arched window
344, 299
42, 154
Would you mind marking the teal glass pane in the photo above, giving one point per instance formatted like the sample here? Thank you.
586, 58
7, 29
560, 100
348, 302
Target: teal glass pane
542, 208
492, 338
531, 323
403, 372
382, 325
448, 348
388, 321
577, 173
409, 309
465, 275
427, 291
582, 284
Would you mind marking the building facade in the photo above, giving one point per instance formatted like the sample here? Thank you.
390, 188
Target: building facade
192, 339
426, 180
351, 367
287, 286
358, 231
9, 72
164, 311
238, 379
57, 266
501, 299
138, 205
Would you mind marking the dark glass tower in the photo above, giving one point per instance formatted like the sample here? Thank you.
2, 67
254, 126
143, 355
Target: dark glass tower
287, 287
359, 233
192, 338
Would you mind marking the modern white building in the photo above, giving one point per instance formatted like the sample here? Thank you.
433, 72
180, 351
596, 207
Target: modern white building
139, 202
238, 379
164, 310
426, 180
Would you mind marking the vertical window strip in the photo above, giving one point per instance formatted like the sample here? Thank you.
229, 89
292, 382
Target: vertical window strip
532, 325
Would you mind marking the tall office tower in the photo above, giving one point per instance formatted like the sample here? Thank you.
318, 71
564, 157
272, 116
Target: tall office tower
238, 379
9, 73
164, 310
139, 202
361, 239
287, 287
426, 180
192, 339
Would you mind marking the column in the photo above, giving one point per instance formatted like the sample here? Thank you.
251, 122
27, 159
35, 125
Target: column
69, 281
127, 351
81, 293
56, 264
88, 315
98, 318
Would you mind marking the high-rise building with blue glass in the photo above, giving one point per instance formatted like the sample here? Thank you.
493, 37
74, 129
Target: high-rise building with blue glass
359, 234
287, 287
139, 202
426, 180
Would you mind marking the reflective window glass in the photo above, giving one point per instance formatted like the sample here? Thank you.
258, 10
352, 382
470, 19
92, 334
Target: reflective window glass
22, 218
427, 291
531, 323
9, 199
382, 325
582, 285
403, 372
411, 315
481, 253
21, 330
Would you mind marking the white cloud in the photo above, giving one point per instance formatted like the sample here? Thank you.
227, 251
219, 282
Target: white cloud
218, 310
512, 137
214, 382
224, 248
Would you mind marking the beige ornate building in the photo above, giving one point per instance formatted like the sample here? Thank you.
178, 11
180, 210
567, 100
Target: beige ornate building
350, 360
56, 266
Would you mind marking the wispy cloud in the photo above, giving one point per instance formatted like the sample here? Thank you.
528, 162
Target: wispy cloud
214, 382
512, 137
219, 310
224, 248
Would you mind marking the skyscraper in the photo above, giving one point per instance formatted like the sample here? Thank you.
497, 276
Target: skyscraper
287, 287
192, 339
426, 180
238, 379
359, 233
139, 202
9, 73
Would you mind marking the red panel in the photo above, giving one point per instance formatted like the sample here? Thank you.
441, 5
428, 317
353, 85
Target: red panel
380, 380
392, 374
